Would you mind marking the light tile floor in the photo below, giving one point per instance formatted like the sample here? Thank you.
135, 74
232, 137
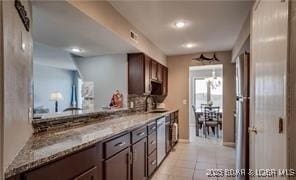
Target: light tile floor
191, 160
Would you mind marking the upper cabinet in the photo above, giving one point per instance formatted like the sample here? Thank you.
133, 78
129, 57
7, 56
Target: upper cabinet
141, 71
164, 80
154, 65
159, 72
139, 67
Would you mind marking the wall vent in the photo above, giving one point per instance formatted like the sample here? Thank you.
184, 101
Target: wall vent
134, 36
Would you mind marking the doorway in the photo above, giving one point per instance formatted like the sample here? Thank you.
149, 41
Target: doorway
205, 90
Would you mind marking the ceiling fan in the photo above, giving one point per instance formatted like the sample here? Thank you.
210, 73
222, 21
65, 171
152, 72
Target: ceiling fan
203, 59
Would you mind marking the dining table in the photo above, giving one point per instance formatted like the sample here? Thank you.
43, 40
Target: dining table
199, 112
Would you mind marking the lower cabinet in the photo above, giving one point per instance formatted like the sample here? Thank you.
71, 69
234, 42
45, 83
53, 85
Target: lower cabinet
118, 166
128, 156
79, 165
89, 175
152, 163
139, 165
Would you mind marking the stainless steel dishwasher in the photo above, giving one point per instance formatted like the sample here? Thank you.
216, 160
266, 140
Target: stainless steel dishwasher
160, 140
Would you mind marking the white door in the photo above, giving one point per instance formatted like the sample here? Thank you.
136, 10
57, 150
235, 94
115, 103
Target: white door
268, 61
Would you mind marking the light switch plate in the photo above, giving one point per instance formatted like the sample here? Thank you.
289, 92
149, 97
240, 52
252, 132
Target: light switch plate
23, 44
184, 101
30, 115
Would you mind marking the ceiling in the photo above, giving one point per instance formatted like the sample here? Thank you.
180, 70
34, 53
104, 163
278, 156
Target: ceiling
52, 57
211, 25
60, 25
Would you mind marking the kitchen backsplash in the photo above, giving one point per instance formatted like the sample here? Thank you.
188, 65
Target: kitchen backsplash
138, 102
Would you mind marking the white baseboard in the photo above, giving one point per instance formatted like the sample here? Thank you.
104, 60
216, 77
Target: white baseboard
229, 144
185, 141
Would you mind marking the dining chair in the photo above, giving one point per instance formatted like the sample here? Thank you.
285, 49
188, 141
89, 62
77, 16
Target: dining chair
202, 106
211, 115
198, 121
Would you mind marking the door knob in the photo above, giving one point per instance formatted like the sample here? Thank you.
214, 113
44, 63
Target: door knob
252, 129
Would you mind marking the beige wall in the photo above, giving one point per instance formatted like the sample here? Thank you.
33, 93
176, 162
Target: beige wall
103, 13
17, 81
178, 85
241, 39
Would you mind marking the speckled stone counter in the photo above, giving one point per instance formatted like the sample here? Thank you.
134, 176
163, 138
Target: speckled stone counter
46, 147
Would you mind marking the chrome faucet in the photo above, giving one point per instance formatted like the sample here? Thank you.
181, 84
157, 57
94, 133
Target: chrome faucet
146, 102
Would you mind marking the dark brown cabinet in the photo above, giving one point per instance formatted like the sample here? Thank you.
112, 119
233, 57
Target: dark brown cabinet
141, 71
147, 75
159, 72
151, 142
118, 166
152, 163
154, 69
139, 165
130, 155
75, 165
138, 74
88, 175
139, 133
165, 81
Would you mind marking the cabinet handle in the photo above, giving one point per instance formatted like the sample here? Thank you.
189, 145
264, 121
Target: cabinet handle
120, 144
141, 134
153, 162
153, 128
153, 142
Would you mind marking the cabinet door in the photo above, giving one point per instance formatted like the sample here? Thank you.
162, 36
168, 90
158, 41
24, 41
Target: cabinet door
159, 72
147, 75
67, 168
88, 175
164, 81
154, 70
152, 163
139, 167
118, 166
136, 76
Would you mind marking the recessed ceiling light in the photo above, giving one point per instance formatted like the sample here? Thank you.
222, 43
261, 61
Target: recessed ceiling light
189, 45
76, 50
180, 24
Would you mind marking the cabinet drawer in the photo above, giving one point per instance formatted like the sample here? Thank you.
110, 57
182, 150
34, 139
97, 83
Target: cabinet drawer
151, 142
139, 134
152, 163
151, 127
67, 168
88, 175
115, 145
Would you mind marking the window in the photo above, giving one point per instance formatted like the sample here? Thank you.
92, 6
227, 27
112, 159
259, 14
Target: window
203, 93
217, 95
200, 92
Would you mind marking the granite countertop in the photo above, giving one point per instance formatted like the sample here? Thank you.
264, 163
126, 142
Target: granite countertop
46, 147
76, 113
